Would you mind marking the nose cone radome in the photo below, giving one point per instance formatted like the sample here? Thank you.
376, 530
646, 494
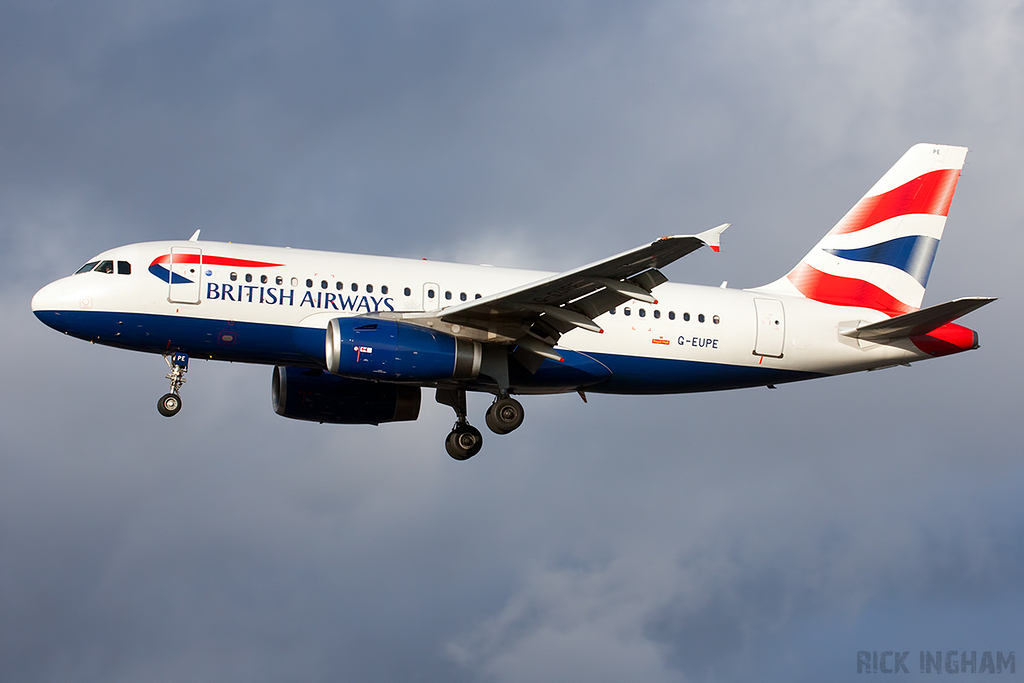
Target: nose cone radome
49, 301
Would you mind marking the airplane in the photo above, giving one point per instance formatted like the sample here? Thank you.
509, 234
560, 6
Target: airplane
354, 339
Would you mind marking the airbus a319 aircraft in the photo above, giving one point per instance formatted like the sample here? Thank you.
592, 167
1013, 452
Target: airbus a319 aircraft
354, 339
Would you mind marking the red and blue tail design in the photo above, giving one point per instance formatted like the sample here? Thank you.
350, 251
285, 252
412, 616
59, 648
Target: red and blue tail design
880, 254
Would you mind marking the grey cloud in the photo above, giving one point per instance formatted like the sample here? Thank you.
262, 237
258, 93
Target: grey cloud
704, 537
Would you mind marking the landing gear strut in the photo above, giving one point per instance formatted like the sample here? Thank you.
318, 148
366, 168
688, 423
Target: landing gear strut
505, 415
170, 403
465, 440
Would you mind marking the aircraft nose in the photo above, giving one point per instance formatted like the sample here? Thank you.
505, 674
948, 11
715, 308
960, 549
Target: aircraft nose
49, 301
46, 299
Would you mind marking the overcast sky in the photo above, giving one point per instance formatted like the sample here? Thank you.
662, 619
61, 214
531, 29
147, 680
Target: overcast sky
756, 534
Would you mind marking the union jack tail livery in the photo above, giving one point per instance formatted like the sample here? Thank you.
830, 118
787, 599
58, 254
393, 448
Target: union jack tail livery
880, 254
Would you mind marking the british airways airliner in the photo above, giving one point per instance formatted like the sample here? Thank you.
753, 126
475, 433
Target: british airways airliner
354, 339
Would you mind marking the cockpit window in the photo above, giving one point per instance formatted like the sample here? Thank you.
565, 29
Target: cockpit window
105, 267
87, 267
124, 268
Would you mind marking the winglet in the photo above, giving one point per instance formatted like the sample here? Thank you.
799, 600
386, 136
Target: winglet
195, 236
711, 237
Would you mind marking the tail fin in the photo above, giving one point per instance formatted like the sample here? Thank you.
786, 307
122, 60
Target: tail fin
880, 254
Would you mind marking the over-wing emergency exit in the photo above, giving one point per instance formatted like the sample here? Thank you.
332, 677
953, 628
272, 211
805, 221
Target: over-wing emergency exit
354, 339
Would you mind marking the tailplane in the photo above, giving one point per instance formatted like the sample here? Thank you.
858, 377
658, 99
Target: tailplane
880, 254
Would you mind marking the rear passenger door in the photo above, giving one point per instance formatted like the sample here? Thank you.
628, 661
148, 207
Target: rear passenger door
771, 328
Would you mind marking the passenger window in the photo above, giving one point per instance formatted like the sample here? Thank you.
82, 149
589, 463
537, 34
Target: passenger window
369, 289
124, 268
338, 285
477, 296
383, 289
87, 267
279, 280
671, 315
408, 292
686, 317
105, 267
657, 313
448, 295
263, 279
295, 282
625, 311
462, 296
700, 318
323, 284
612, 311
355, 287
248, 277
233, 277
716, 320
309, 282
642, 312
430, 294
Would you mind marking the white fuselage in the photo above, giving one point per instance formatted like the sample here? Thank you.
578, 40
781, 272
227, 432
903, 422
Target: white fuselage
272, 305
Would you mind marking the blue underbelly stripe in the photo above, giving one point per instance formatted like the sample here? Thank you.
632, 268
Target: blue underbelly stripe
269, 344
640, 375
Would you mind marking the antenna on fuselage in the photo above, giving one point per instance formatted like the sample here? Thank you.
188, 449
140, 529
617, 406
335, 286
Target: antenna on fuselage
195, 236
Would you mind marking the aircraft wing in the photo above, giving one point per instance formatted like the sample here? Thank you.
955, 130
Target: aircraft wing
535, 315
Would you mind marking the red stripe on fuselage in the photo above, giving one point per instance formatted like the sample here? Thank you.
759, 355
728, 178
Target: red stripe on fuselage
844, 291
209, 260
930, 193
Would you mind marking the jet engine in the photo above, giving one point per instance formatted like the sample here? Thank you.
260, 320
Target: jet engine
394, 351
304, 394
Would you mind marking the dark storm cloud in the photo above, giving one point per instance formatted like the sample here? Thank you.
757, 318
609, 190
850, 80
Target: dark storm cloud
755, 533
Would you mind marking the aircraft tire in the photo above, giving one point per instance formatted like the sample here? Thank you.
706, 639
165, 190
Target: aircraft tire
169, 405
505, 415
464, 442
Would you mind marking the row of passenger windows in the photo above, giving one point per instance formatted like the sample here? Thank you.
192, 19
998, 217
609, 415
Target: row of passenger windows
642, 312
123, 267
448, 295
279, 280
369, 289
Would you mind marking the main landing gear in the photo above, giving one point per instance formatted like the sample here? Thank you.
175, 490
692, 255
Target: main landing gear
170, 403
505, 415
465, 440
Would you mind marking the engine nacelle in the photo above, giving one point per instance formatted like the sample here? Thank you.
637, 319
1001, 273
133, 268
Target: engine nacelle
314, 395
390, 350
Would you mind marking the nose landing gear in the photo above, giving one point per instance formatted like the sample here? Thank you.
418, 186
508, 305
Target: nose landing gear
170, 403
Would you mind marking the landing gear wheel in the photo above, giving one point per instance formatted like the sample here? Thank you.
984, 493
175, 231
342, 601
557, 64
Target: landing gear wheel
463, 442
169, 405
504, 415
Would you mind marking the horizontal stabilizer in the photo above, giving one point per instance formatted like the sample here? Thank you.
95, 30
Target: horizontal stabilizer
918, 322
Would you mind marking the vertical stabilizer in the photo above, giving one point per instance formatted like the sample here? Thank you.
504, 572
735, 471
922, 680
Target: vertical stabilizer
881, 252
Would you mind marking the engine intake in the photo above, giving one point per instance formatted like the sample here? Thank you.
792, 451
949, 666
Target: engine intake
390, 350
314, 395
